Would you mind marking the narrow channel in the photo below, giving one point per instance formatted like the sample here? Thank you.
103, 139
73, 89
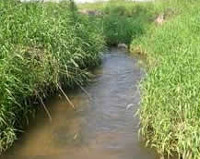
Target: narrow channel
102, 127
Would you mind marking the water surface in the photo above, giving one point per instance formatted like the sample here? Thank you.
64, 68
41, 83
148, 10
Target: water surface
103, 125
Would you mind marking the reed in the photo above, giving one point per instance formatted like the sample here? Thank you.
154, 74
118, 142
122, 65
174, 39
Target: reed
170, 105
43, 46
121, 21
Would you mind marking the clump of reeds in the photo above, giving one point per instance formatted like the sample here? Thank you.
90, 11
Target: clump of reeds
43, 46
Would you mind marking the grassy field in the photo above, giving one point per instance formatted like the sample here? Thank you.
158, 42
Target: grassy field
43, 47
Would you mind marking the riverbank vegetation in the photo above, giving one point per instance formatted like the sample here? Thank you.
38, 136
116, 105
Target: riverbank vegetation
166, 33
120, 21
43, 46
46, 45
170, 106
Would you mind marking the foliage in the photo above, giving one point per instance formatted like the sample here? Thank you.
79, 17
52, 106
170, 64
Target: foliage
121, 21
170, 105
43, 45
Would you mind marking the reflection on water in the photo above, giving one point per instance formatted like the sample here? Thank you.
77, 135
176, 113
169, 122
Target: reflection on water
103, 126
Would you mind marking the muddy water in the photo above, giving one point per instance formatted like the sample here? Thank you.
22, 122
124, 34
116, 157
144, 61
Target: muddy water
103, 126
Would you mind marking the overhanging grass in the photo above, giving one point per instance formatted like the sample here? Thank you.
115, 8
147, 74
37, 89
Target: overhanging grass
42, 46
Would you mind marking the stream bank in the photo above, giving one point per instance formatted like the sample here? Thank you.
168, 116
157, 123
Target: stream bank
103, 125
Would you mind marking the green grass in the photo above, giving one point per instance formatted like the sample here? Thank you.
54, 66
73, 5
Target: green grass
170, 107
93, 6
43, 45
121, 21
124, 21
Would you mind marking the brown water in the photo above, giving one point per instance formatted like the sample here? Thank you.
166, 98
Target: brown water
103, 126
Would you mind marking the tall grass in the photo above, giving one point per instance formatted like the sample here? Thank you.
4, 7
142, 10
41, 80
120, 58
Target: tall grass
43, 45
46, 45
170, 107
122, 21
